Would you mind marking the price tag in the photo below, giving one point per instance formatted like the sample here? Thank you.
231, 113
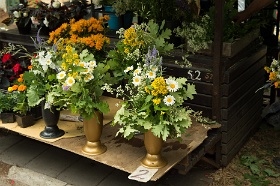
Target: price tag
142, 174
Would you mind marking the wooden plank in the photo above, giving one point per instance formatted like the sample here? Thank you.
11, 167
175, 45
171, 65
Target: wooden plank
244, 131
241, 66
229, 88
242, 87
206, 111
230, 112
129, 153
229, 123
229, 134
202, 100
226, 158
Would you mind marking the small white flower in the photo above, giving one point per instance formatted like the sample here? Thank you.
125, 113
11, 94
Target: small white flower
25, 14
136, 80
70, 81
151, 75
88, 77
34, 20
82, 64
172, 85
154, 68
92, 64
16, 14
56, 4
137, 71
169, 100
61, 75
46, 22
128, 69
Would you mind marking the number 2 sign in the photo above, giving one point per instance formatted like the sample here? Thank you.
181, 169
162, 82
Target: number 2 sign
142, 174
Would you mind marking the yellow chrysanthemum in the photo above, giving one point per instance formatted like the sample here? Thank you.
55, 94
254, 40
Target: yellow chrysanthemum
156, 101
159, 86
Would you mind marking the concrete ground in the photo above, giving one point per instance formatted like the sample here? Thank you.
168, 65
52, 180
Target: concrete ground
27, 162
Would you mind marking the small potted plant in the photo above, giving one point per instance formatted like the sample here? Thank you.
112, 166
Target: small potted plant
153, 105
7, 103
25, 115
11, 65
21, 15
51, 16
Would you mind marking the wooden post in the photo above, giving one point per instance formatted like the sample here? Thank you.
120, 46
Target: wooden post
217, 55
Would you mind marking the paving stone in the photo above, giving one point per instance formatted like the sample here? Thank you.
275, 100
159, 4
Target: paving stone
31, 178
8, 140
120, 178
85, 172
22, 152
52, 162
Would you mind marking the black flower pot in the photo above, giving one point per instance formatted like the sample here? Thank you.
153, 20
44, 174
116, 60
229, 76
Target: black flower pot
51, 118
25, 121
36, 112
8, 117
24, 29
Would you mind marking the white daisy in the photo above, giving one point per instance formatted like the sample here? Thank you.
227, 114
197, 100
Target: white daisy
151, 75
61, 75
154, 68
82, 64
70, 81
169, 100
137, 71
136, 80
89, 77
92, 64
128, 69
172, 85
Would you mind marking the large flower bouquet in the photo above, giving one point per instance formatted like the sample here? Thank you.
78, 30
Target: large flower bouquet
11, 65
80, 78
153, 102
85, 34
134, 44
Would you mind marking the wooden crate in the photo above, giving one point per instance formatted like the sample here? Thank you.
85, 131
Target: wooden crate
240, 106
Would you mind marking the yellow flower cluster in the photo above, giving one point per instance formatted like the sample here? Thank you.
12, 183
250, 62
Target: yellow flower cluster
69, 58
131, 38
159, 86
88, 33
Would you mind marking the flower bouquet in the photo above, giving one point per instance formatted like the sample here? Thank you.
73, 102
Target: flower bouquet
85, 34
274, 74
153, 105
134, 44
153, 102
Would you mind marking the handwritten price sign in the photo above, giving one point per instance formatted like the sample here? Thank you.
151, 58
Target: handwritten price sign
142, 174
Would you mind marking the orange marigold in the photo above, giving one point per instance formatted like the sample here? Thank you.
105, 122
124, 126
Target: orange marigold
29, 67
20, 80
22, 88
15, 87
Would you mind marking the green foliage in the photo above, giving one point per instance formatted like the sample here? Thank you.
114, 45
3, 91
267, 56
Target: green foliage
258, 176
7, 102
134, 43
153, 102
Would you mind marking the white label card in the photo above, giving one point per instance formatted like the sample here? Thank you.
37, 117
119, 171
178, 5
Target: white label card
142, 174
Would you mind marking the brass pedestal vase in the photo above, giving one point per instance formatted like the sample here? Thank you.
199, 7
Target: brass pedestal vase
93, 131
153, 145
51, 117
